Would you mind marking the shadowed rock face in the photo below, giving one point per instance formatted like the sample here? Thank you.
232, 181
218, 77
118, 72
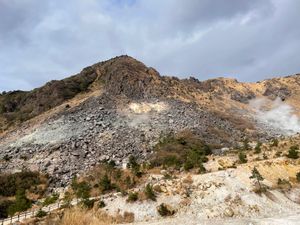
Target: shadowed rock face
281, 92
126, 76
134, 107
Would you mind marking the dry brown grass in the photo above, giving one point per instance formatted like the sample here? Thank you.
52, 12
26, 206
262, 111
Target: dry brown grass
80, 216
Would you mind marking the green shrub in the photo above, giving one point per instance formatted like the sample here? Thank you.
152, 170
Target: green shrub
257, 177
41, 214
88, 203
101, 204
188, 165
134, 166
4, 205
201, 169
51, 199
278, 154
257, 148
194, 159
21, 203
298, 176
105, 184
164, 210
129, 182
81, 189
282, 182
293, 152
168, 176
10, 183
149, 192
132, 197
67, 200
172, 160
184, 150
109, 166
274, 143
243, 157
246, 145
118, 174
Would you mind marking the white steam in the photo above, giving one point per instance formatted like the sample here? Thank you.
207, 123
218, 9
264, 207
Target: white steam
277, 115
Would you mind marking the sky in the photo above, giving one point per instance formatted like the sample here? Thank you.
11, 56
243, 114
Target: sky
49, 40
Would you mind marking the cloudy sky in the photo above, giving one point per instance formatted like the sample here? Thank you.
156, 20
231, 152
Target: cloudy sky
246, 39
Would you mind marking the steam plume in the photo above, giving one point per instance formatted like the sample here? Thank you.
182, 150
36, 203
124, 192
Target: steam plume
277, 115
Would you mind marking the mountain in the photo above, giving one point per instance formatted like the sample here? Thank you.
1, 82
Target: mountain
120, 107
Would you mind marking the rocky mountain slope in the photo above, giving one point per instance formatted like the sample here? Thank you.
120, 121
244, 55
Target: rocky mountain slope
120, 107
226, 193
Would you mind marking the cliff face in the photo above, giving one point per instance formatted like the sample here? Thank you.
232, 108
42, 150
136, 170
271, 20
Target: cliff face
120, 107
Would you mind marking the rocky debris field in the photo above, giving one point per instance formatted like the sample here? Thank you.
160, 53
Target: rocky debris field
78, 138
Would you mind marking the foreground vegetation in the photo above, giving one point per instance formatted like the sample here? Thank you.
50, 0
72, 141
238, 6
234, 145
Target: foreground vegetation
173, 155
19, 190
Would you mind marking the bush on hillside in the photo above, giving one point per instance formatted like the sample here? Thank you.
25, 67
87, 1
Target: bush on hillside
182, 150
257, 148
298, 176
51, 199
243, 157
132, 197
293, 152
255, 174
283, 183
25, 180
134, 166
4, 205
274, 143
22, 203
164, 210
246, 145
82, 189
149, 192
88, 203
101, 204
41, 213
105, 184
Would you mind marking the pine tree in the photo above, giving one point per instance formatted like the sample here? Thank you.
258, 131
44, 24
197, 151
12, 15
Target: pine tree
21, 204
243, 157
257, 176
258, 148
134, 166
105, 183
246, 145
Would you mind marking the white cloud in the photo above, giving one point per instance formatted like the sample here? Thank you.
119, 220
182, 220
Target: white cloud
250, 40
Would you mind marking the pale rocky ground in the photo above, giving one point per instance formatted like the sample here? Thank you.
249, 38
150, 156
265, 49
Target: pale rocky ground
220, 197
